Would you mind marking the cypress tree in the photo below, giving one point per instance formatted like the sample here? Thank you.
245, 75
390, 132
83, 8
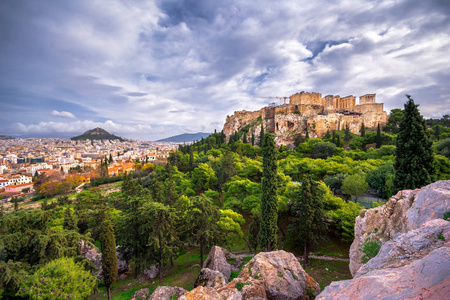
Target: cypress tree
261, 136
244, 139
109, 257
378, 138
338, 140
70, 219
414, 160
253, 138
333, 139
268, 226
253, 232
347, 135
363, 130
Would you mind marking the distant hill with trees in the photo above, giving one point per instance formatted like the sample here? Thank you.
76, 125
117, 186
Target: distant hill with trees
97, 134
185, 137
6, 137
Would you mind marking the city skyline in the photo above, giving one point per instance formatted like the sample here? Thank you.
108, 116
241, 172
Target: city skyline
154, 69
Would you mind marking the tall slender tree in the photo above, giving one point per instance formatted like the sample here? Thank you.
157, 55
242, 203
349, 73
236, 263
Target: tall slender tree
363, 130
414, 160
244, 139
378, 138
261, 135
109, 257
253, 137
268, 226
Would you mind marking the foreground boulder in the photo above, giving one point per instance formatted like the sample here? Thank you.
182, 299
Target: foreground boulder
166, 292
269, 275
414, 259
217, 261
141, 294
210, 278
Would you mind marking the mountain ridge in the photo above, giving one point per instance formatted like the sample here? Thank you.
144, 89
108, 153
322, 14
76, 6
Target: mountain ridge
185, 137
97, 134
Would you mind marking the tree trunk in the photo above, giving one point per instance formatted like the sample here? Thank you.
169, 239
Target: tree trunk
160, 273
248, 244
109, 293
305, 255
201, 251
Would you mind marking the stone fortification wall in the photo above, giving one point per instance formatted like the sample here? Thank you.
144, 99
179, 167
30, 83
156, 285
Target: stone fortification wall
306, 98
309, 109
368, 107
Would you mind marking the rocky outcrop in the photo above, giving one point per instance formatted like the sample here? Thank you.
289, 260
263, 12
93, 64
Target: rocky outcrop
414, 259
217, 261
141, 294
91, 253
269, 275
210, 278
152, 272
406, 211
166, 292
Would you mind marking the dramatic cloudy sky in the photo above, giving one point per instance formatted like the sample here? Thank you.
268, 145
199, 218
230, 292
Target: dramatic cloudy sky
152, 69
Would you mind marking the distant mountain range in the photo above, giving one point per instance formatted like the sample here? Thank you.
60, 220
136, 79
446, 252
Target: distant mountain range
6, 137
97, 134
185, 137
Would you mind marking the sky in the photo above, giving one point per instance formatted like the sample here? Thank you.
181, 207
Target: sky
152, 69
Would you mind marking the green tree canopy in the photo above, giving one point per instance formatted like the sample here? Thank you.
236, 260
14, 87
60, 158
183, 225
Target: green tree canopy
414, 161
355, 185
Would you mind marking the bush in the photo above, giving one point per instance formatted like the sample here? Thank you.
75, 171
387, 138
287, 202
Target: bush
369, 249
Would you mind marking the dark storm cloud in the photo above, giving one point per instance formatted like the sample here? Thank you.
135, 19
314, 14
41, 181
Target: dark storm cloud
141, 63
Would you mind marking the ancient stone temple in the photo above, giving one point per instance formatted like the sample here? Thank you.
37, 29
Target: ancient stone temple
312, 112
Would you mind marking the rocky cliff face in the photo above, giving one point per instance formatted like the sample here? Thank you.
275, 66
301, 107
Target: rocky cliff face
414, 259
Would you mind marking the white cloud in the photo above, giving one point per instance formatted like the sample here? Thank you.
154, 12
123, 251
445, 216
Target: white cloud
63, 114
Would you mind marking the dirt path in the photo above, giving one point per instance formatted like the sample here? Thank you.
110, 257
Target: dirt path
300, 258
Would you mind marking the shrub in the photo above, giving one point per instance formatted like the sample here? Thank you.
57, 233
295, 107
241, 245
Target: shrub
369, 249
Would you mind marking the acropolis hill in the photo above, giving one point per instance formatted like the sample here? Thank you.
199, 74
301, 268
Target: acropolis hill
309, 111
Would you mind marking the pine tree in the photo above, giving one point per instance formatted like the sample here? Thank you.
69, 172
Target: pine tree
244, 139
363, 130
309, 219
253, 138
268, 227
160, 221
414, 160
378, 138
347, 135
70, 219
109, 257
261, 136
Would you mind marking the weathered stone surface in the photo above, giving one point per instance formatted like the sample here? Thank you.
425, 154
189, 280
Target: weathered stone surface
427, 278
217, 261
236, 264
210, 278
407, 210
152, 272
202, 293
165, 292
141, 294
282, 274
414, 259
91, 253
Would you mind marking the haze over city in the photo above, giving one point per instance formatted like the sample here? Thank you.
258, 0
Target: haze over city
152, 69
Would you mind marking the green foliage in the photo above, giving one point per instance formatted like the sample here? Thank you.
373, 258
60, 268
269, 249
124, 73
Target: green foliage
394, 120
334, 182
441, 237
443, 147
308, 211
447, 216
369, 249
355, 185
378, 179
70, 219
240, 285
323, 150
61, 278
414, 162
268, 226
109, 257
204, 177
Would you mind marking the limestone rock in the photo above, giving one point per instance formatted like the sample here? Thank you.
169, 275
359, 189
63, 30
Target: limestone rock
280, 275
202, 293
236, 264
414, 259
217, 261
91, 253
141, 294
407, 210
152, 272
165, 292
210, 278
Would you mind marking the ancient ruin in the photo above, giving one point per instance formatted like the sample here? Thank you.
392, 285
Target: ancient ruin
312, 112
